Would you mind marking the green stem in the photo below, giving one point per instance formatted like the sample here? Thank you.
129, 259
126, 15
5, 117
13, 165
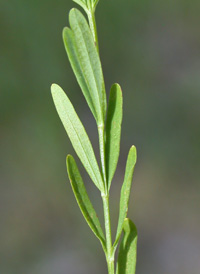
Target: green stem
102, 154
109, 254
106, 206
93, 27
105, 195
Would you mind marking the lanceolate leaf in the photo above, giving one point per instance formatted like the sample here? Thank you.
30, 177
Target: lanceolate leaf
77, 134
127, 257
125, 191
113, 131
83, 200
85, 63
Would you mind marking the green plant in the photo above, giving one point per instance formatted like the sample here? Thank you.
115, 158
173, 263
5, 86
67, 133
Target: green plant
81, 43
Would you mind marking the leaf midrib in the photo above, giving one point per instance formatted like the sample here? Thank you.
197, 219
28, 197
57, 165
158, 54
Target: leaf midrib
85, 78
120, 225
83, 147
90, 67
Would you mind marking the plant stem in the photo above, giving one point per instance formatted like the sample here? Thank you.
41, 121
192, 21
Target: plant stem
106, 206
105, 195
102, 154
93, 27
109, 254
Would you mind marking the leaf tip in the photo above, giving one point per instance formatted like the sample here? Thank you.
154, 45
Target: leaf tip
116, 88
73, 12
133, 148
128, 224
118, 85
65, 29
134, 151
69, 159
53, 88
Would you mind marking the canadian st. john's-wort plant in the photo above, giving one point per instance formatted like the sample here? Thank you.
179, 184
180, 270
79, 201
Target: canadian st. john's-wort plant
81, 44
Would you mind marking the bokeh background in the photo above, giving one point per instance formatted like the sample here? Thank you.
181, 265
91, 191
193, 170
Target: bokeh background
152, 48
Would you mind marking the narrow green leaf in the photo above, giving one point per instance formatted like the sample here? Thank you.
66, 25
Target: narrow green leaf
77, 134
85, 63
125, 191
113, 131
83, 200
127, 257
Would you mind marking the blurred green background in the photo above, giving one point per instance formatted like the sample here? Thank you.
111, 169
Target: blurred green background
152, 48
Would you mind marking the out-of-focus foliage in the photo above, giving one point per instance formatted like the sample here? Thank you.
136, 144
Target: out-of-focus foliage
152, 49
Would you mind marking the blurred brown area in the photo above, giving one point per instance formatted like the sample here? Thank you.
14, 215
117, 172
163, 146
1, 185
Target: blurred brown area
152, 48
